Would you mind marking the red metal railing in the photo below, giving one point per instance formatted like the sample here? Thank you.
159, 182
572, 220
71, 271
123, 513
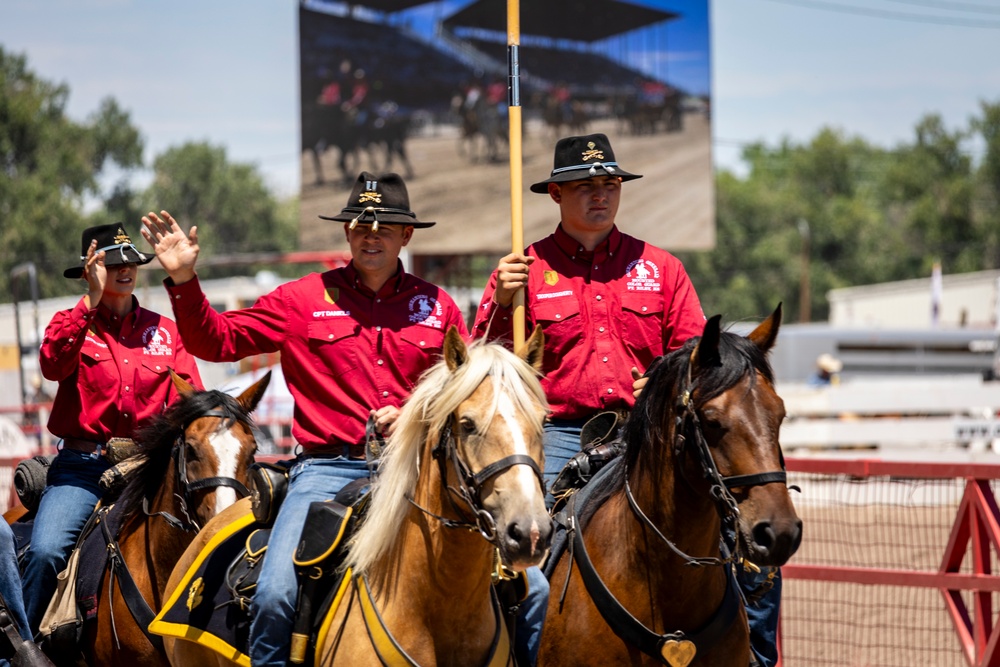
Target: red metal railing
903, 527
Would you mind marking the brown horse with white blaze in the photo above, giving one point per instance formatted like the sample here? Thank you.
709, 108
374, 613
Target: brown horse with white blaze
198, 453
652, 583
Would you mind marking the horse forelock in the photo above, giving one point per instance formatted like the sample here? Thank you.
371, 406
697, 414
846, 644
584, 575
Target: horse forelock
424, 416
652, 418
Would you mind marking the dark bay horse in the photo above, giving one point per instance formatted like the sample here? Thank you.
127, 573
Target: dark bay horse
701, 455
198, 452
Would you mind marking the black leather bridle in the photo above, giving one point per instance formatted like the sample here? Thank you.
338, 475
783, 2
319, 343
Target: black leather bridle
470, 485
687, 428
186, 487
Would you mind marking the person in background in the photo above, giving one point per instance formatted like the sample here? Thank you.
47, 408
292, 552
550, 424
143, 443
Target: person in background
827, 371
353, 343
112, 360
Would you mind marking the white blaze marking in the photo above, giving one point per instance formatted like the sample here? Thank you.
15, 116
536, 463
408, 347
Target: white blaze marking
227, 447
525, 475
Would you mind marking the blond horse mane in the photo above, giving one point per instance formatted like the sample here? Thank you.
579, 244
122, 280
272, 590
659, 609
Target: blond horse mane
437, 395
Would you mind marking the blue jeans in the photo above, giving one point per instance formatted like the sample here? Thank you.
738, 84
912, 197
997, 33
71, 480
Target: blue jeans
69, 499
309, 480
10, 581
562, 441
762, 614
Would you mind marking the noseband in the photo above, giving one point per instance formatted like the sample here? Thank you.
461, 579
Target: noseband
187, 488
470, 485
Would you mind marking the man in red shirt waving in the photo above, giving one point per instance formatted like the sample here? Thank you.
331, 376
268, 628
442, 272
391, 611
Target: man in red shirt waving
353, 343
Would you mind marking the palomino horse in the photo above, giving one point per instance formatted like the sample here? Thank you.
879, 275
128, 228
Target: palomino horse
652, 584
463, 464
198, 453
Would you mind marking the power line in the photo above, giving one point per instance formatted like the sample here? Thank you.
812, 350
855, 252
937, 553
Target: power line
951, 6
895, 16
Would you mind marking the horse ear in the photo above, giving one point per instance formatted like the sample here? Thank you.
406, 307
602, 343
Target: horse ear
183, 387
455, 351
251, 395
533, 350
767, 331
706, 353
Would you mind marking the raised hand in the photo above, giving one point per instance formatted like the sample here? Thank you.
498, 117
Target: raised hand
95, 273
176, 250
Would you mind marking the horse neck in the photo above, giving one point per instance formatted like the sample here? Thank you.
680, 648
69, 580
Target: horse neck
662, 485
163, 542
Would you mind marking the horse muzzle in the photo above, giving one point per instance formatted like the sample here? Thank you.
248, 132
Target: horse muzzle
524, 540
773, 542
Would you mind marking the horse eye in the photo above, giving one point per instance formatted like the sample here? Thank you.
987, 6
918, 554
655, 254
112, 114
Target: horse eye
467, 427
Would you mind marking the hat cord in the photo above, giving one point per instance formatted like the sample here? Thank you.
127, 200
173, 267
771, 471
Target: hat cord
362, 212
606, 166
121, 247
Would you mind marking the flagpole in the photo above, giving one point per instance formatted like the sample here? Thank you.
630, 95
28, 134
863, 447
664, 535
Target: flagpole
516, 187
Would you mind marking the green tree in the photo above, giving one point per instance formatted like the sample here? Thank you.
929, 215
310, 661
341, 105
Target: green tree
51, 168
229, 202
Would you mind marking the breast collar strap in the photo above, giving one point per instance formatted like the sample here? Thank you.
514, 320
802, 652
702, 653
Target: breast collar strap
391, 654
631, 630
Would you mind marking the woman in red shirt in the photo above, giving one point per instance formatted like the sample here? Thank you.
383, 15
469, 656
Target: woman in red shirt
111, 359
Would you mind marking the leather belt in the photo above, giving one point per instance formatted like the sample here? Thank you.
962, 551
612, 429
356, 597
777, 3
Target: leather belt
337, 449
85, 446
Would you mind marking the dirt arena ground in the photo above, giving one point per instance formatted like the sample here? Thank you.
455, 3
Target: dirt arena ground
672, 206
899, 524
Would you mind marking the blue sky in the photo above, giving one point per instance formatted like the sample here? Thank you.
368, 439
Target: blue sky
226, 71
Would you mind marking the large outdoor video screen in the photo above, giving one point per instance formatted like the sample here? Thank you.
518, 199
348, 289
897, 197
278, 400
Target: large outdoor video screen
420, 89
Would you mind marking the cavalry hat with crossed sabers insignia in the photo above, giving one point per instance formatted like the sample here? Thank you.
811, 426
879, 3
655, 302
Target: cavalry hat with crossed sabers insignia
378, 200
578, 158
116, 244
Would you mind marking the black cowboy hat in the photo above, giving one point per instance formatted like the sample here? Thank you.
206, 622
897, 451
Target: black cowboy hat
579, 158
382, 199
116, 244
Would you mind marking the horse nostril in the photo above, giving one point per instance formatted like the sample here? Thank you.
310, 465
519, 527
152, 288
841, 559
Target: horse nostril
763, 535
514, 533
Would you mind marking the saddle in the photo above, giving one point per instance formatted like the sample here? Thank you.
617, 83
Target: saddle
212, 603
599, 444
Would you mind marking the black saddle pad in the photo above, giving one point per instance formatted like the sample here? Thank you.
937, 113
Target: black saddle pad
201, 608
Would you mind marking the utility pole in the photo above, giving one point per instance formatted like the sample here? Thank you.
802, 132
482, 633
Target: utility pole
27, 268
805, 298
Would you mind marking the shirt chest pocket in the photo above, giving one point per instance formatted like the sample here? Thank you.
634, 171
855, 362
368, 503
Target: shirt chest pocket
98, 377
560, 320
333, 345
642, 322
425, 339
154, 371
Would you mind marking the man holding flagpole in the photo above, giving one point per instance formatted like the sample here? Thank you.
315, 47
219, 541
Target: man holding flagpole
609, 304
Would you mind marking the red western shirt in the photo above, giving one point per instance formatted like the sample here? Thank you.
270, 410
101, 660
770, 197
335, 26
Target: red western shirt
602, 312
345, 350
113, 372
